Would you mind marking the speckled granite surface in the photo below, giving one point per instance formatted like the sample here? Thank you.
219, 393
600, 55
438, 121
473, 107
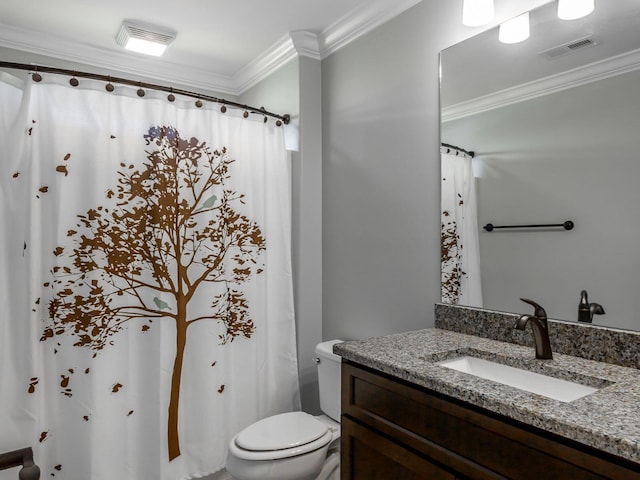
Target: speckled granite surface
602, 344
608, 419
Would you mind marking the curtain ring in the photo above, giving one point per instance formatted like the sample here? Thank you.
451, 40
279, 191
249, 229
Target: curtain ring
74, 81
245, 114
109, 86
199, 103
223, 108
140, 91
278, 123
171, 97
36, 76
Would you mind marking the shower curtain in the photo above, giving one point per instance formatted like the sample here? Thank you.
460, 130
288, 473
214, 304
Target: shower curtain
146, 310
460, 251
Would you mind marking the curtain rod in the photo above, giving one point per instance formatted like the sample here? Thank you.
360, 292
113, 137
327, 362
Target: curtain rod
568, 225
109, 79
471, 154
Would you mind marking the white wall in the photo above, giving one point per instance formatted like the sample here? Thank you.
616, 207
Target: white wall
572, 155
381, 173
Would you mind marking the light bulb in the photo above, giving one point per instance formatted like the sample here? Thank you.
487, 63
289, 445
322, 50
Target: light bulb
147, 47
477, 12
572, 9
515, 30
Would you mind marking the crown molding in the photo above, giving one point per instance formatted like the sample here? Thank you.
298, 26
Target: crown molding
307, 44
139, 65
353, 25
299, 43
275, 57
360, 21
610, 67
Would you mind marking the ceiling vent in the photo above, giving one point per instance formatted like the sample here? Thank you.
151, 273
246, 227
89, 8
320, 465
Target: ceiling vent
570, 47
144, 38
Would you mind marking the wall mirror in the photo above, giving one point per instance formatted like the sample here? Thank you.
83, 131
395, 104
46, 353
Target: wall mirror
554, 122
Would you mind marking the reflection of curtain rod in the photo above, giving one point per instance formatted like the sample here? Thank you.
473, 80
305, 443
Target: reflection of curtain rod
458, 150
109, 79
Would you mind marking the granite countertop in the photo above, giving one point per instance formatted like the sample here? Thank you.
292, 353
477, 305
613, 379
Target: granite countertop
608, 419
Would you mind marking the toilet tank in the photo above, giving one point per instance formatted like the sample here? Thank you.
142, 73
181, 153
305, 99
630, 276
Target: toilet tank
329, 365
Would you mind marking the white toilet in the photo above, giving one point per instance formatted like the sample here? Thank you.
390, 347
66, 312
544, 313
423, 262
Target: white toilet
295, 445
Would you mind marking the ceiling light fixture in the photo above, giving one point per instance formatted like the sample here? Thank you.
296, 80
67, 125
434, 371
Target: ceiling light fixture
515, 30
144, 38
477, 12
572, 9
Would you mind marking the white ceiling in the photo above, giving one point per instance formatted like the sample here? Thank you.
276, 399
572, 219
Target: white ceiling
222, 45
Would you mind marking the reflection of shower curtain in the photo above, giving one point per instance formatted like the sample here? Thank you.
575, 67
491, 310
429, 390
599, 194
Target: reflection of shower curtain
146, 309
460, 255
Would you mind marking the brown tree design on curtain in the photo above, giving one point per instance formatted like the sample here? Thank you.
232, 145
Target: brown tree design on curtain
168, 230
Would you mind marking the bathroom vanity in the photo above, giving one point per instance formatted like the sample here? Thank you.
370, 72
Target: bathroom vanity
406, 416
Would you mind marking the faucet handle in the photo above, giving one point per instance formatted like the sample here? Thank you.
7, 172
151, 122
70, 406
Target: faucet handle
539, 311
584, 298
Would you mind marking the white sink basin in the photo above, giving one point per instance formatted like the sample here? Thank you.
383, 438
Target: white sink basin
551, 387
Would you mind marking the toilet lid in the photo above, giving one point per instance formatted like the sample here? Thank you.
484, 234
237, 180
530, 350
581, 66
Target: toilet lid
279, 432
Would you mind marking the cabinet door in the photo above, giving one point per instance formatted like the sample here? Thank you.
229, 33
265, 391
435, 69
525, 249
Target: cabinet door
367, 455
460, 438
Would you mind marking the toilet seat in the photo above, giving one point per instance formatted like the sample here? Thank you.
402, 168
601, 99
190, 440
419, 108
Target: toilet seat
281, 436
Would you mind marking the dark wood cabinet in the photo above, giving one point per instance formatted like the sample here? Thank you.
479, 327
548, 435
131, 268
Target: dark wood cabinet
393, 429
377, 457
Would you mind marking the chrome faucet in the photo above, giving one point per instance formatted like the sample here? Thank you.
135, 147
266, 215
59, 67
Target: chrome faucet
538, 322
587, 310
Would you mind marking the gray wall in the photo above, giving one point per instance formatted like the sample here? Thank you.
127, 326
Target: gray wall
570, 155
381, 171
279, 92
